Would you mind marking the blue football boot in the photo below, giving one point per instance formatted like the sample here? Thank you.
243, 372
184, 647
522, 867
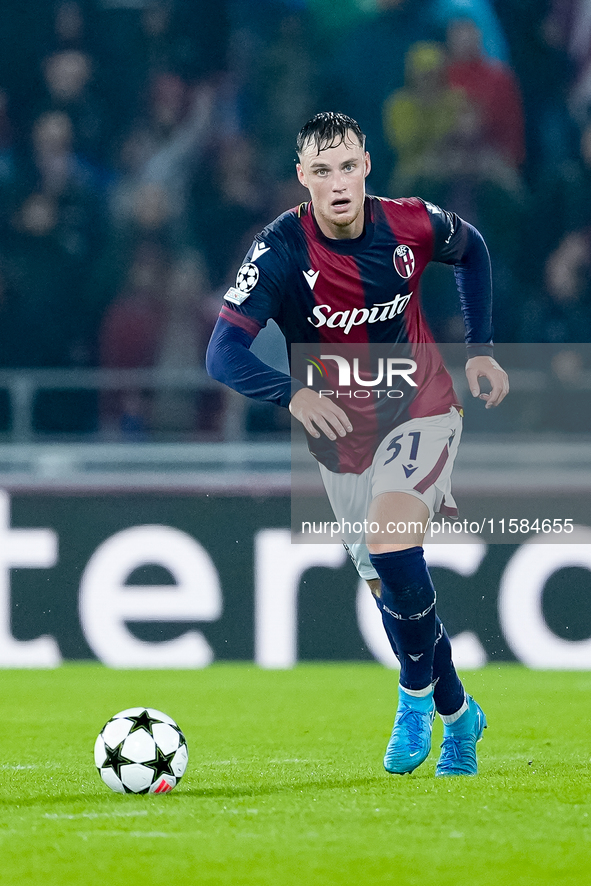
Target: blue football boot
458, 749
410, 743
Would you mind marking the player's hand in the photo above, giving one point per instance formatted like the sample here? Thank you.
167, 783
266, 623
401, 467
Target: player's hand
319, 414
487, 367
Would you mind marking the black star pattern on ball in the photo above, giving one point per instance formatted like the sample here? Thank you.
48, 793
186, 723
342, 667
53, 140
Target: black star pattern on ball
115, 759
142, 721
161, 765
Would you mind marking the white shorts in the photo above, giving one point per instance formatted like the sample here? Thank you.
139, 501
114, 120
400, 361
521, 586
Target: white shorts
416, 457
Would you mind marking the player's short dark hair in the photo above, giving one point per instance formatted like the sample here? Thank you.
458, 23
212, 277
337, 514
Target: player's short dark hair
327, 130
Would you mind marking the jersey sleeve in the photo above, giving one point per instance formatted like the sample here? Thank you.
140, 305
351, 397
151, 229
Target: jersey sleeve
230, 361
248, 305
458, 243
260, 285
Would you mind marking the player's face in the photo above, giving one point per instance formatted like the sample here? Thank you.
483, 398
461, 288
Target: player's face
335, 178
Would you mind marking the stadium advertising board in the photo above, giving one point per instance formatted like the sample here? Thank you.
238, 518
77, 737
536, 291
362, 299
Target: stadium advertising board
179, 581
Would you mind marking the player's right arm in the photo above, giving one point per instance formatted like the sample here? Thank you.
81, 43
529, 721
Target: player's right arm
247, 307
230, 360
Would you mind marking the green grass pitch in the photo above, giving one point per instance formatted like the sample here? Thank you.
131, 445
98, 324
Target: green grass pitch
285, 784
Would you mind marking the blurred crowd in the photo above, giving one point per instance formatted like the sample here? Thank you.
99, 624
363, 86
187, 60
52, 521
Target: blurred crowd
144, 142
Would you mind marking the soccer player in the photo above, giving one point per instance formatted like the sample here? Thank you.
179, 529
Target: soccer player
345, 267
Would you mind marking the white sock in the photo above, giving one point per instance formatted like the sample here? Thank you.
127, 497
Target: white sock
448, 719
419, 693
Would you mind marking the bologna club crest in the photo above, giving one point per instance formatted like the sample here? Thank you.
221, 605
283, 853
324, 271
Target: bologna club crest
404, 261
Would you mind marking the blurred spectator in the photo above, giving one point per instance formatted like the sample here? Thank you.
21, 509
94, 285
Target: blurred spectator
544, 72
185, 333
158, 159
286, 91
42, 310
175, 36
379, 45
491, 88
488, 188
160, 41
162, 152
380, 42
59, 173
563, 311
69, 25
60, 221
422, 124
168, 104
128, 340
231, 196
185, 39
566, 188
159, 321
142, 40
57, 169
484, 16
145, 226
68, 76
444, 150
130, 327
569, 22
444, 154
182, 343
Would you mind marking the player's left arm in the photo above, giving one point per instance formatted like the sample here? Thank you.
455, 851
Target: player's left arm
458, 243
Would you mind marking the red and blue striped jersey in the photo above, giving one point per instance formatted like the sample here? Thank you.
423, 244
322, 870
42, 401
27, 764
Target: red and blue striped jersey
363, 291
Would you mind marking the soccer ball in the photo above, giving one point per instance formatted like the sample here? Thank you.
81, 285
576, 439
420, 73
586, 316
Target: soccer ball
141, 751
